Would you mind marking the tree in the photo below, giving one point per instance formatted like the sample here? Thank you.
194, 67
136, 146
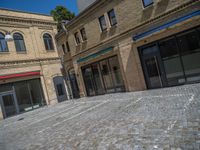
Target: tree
61, 13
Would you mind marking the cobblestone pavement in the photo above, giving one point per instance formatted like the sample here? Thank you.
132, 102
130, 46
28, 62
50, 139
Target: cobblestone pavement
155, 119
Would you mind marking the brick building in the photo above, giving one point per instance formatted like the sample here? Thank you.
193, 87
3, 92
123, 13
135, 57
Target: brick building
127, 45
30, 69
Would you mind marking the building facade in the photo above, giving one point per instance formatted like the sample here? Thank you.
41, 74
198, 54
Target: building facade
83, 4
30, 68
127, 45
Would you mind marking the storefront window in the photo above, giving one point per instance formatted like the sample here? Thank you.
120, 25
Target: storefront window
23, 96
106, 74
116, 74
190, 52
36, 93
171, 60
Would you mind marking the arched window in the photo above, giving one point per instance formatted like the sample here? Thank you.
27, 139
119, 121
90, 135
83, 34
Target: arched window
48, 41
19, 42
3, 43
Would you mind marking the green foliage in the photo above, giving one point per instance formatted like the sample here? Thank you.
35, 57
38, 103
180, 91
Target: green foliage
61, 13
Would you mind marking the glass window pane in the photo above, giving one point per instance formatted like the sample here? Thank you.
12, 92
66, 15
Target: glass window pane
19, 42
102, 22
147, 2
5, 87
36, 93
23, 96
107, 77
112, 17
48, 42
3, 44
116, 74
97, 79
189, 42
83, 34
172, 62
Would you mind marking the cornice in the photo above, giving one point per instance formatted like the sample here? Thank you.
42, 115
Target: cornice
31, 62
32, 21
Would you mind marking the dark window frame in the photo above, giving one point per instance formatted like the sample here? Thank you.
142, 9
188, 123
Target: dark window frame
143, 2
2, 39
48, 42
83, 34
67, 46
111, 16
101, 23
18, 40
64, 48
77, 38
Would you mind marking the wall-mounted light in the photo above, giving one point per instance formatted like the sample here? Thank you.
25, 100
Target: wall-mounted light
8, 37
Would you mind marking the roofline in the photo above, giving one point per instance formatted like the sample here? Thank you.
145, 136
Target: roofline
27, 12
85, 11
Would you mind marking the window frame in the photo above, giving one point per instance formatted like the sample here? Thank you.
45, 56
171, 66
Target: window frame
17, 41
6, 44
100, 23
77, 38
144, 6
83, 34
110, 17
67, 46
48, 47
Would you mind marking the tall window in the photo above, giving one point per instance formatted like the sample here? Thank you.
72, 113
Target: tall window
102, 22
48, 42
83, 34
63, 48
76, 36
147, 2
3, 43
112, 17
67, 46
19, 42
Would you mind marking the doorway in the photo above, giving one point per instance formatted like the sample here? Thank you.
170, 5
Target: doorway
152, 66
8, 104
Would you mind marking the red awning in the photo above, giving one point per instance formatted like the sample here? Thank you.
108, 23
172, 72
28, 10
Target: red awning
19, 75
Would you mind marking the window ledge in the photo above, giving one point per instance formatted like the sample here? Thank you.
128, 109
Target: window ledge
50, 50
22, 52
4, 52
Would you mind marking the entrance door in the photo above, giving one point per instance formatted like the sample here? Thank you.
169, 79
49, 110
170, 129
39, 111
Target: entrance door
153, 71
8, 103
60, 88
74, 85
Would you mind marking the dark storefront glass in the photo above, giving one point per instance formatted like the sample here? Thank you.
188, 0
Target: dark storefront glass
103, 77
172, 62
107, 78
36, 93
180, 58
88, 77
116, 73
97, 78
23, 96
190, 52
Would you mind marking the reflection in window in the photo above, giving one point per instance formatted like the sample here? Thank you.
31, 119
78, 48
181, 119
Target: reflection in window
112, 17
83, 34
48, 42
172, 61
76, 36
3, 43
102, 22
19, 42
147, 2
190, 51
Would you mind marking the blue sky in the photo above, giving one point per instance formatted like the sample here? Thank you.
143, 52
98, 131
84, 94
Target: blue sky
38, 6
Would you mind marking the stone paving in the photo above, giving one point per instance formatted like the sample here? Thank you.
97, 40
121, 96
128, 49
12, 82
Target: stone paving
163, 119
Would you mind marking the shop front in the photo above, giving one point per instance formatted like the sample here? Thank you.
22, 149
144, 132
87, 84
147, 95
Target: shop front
21, 96
171, 61
103, 77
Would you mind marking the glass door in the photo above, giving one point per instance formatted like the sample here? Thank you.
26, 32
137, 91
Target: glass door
8, 103
153, 70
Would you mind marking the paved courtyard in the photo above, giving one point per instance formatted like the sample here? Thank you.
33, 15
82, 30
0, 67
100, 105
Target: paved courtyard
163, 119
